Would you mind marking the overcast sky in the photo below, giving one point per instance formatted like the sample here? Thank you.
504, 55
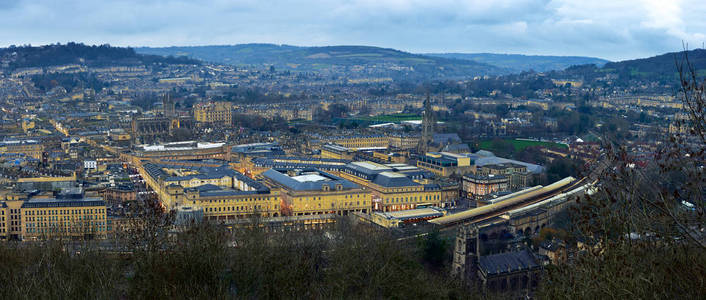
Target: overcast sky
611, 29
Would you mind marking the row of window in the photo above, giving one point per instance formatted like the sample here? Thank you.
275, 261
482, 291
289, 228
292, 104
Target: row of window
319, 198
238, 200
61, 230
411, 199
65, 218
64, 212
64, 224
333, 205
428, 162
235, 208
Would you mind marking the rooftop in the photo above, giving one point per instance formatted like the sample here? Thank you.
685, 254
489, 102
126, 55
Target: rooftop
428, 212
187, 145
391, 179
310, 178
200, 172
335, 147
370, 165
507, 262
307, 180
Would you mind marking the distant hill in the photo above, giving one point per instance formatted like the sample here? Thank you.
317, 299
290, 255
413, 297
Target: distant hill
364, 61
77, 53
660, 67
518, 63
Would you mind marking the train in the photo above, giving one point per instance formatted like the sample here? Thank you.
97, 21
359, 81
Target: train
510, 200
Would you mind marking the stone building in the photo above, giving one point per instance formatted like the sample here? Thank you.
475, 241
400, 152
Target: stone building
510, 274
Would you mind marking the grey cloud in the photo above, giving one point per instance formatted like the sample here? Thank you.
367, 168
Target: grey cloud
604, 28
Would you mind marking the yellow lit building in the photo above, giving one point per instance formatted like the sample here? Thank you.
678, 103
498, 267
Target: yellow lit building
394, 188
517, 175
404, 141
336, 152
390, 157
478, 186
314, 192
223, 193
254, 166
27, 125
357, 142
226, 195
445, 164
26, 216
223, 204
214, 112
30, 148
572, 83
119, 135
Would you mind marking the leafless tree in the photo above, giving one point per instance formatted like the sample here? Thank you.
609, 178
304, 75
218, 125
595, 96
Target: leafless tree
645, 226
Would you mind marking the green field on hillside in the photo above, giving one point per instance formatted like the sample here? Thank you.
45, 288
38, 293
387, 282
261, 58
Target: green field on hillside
521, 144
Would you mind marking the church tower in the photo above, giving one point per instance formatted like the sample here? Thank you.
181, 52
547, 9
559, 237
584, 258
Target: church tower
466, 254
427, 127
169, 106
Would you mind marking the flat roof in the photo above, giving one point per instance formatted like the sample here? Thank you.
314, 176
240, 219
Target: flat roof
310, 178
414, 213
371, 165
454, 155
335, 147
405, 168
308, 181
392, 174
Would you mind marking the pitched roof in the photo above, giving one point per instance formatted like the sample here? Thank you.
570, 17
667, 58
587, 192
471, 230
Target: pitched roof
445, 138
391, 179
507, 262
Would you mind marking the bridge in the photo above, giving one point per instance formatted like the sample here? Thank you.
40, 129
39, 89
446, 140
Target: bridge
524, 200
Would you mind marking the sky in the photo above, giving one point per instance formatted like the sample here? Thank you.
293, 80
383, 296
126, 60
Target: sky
610, 29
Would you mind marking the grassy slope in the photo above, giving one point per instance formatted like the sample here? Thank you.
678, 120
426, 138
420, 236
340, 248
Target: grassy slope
521, 144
